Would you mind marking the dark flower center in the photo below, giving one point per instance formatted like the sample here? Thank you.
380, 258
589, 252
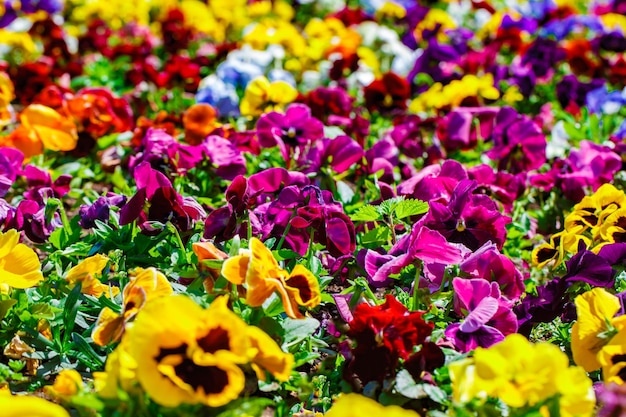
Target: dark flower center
300, 282
211, 379
164, 352
216, 339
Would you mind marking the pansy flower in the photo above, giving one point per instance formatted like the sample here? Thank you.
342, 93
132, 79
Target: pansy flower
388, 93
199, 121
383, 335
144, 285
19, 264
262, 95
258, 270
595, 327
86, 273
198, 359
488, 316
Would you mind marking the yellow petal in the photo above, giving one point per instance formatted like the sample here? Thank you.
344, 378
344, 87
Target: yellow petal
269, 356
235, 268
88, 266
303, 287
109, 327
21, 268
8, 240
22, 406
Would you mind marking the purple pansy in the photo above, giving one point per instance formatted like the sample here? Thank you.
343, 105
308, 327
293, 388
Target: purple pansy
157, 201
41, 186
488, 317
294, 128
470, 219
99, 210
489, 264
519, 145
11, 161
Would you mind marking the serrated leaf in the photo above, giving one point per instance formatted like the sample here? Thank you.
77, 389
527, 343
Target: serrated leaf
389, 206
367, 213
410, 207
379, 234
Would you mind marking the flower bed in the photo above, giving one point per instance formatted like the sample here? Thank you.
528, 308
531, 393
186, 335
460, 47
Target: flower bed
227, 208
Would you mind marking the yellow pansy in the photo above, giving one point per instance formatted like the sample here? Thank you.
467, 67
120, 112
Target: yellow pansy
262, 96
561, 243
26, 405
188, 355
144, 285
259, 271
356, 405
452, 95
86, 273
613, 21
595, 326
119, 376
67, 383
523, 374
19, 264
392, 10
612, 357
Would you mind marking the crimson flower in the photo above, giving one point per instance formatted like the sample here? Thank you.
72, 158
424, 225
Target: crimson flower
385, 334
388, 93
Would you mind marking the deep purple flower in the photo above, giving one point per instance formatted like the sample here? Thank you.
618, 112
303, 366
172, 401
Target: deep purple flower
13, 9
30, 217
308, 210
571, 90
588, 267
41, 186
470, 219
294, 128
99, 210
488, 317
543, 55
518, 143
157, 201
543, 307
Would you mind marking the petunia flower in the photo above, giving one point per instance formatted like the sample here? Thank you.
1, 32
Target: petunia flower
144, 285
261, 95
19, 264
258, 270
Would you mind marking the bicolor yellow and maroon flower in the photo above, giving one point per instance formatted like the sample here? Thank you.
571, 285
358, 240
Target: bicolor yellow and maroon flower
197, 358
258, 270
19, 264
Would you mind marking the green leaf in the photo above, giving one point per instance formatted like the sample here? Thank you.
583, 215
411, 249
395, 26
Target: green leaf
5, 306
410, 207
70, 311
42, 311
247, 407
435, 393
377, 235
297, 330
389, 206
367, 213
85, 348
